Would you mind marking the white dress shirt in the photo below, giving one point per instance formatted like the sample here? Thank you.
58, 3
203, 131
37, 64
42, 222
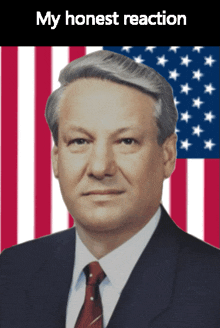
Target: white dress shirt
117, 266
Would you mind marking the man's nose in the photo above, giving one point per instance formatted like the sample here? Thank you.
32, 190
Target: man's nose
101, 162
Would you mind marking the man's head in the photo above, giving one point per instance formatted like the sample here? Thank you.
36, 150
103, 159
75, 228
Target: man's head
107, 65
108, 155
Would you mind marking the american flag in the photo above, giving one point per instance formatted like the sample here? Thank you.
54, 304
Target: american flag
31, 203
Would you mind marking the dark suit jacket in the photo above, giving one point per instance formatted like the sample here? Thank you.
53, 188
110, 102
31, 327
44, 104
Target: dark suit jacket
176, 283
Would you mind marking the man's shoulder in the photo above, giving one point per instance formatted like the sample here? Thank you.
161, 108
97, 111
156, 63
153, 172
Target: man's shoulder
192, 246
191, 250
196, 264
198, 260
187, 242
35, 251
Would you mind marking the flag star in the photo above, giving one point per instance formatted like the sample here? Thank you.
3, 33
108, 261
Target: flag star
197, 130
185, 88
209, 117
197, 103
177, 130
174, 49
126, 48
185, 144
176, 102
185, 116
185, 60
197, 75
162, 60
173, 74
151, 49
197, 49
208, 144
209, 61
209, 88
138, 59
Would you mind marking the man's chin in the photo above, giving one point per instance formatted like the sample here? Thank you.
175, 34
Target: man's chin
101, 224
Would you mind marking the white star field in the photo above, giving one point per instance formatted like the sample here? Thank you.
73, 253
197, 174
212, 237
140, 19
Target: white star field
194, 110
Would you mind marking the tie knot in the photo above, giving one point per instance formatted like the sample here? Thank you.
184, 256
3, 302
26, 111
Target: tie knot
94, 273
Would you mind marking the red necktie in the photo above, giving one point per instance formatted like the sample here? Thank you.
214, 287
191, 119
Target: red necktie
91, 312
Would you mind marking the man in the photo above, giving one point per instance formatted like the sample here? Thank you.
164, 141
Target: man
125, 263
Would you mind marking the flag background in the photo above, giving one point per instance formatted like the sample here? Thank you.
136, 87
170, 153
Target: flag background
31, 203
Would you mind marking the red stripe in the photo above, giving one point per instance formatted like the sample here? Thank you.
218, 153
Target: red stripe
211, 202
178, 195
42, 143
9, 80
74, 53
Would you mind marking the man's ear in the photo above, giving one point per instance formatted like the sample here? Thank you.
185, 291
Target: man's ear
54, 157
169, 155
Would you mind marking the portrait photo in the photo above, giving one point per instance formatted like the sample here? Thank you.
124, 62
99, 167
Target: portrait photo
109, 186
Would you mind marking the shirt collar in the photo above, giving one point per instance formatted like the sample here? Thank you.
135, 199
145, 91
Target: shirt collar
82, 257
119, 263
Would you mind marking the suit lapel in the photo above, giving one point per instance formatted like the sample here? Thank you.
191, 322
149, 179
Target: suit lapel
149, 288
146, 294
47, 291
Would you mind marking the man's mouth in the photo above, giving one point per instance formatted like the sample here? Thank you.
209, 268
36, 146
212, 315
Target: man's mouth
104, 192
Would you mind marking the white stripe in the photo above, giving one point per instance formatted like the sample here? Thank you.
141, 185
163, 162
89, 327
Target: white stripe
195, 194
59, 211
95, 320
25, 144
166, 195
92, 49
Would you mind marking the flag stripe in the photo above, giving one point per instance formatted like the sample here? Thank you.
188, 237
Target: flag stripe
92, 49
0, 138
211, 204
195, 197
166, 195
59, 213
25, 144
178, 186
42, 143
74, 53
8, 146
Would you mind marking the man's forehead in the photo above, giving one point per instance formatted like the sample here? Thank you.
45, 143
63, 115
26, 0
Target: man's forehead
91, 86
96, 104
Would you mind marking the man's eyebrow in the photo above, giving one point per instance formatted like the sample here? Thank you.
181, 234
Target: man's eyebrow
78, 129
125, 129
73, 128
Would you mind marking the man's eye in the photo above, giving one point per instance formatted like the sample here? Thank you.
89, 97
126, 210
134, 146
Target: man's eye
78, 141
128, 141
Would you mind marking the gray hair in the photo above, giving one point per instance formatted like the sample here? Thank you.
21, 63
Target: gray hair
111, 66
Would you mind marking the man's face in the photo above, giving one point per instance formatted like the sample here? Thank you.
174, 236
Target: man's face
108, 162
